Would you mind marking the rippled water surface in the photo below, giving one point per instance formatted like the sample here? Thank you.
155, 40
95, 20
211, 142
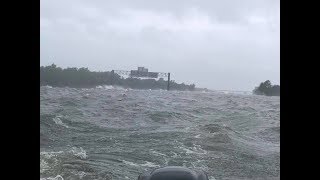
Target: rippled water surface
114, 133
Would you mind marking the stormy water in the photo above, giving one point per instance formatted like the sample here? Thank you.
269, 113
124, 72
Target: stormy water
115, 133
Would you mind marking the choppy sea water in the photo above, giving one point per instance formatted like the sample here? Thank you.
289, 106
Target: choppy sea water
115, 133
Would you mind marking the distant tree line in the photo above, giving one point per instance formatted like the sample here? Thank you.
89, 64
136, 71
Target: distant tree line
83, 78
266, 88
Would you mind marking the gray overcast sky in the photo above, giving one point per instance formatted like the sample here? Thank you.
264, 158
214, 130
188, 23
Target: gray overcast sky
218, 44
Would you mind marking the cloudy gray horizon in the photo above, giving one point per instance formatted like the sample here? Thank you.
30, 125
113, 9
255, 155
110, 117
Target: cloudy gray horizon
222, 45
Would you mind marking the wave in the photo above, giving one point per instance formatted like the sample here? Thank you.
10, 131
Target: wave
112, 87
146, 164
79, 152
196, 149
105, 87
210, 130
58, 121
214, 128
157, 153
197, 136
47, 86
58, 177
75, 151
51, 154
52, 162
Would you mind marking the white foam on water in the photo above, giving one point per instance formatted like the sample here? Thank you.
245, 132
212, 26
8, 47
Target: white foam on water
197, 136
160, 154
157, 153
188, 151
198, 148
79, 152
58, 177
147, 164
81, 174
130, 163
195, 150
49, 155
43, 166
48, 160
58, 121
108, 87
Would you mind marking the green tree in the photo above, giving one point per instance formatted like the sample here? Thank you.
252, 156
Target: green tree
82, 77
266, 88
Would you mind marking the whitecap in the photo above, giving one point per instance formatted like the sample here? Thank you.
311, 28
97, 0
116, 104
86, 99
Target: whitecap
197, 136
79, 152
130, 163
58, 121
147, 164
81, 174
195, 150
157, 153
58, 177
49, 155
43, 166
